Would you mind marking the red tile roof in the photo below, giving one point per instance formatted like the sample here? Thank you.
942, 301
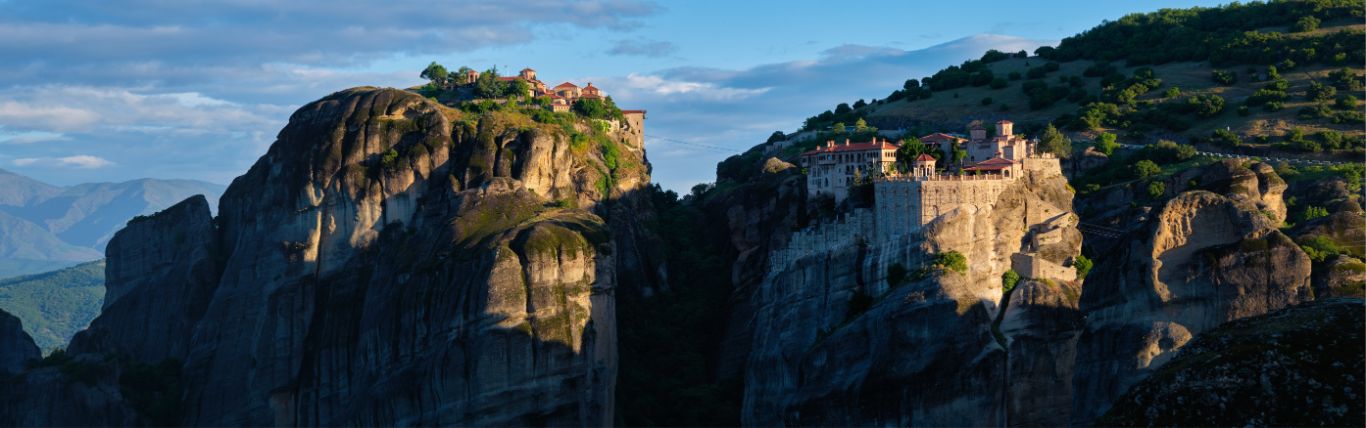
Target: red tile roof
938, 137
992, 164
925, 157
855, 147
566, 85
633, 111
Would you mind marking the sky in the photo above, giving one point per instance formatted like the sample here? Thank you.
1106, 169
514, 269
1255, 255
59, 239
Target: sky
94, 91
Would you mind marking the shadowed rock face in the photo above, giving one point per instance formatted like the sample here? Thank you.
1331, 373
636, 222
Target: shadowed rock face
384, 265
1300, 366
1203, 259
16, 347
922, 353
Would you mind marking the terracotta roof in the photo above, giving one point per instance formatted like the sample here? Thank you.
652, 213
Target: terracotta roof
527, 69
940, 136
591, 96
855, 147
566, 85
925, 157
992, 164
633, 111
508, 79
1005, 121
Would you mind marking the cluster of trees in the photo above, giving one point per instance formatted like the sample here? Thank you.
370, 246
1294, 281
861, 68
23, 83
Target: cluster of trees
486, 86
1223, 35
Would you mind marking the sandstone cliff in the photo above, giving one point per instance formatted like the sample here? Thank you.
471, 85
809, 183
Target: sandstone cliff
1203, 258
836, 342
392, 261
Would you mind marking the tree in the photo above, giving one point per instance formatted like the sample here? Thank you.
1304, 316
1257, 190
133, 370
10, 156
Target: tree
517, 88
910, 149
843, 108
952, 260
777, 136
911, 85
959, 154
436, 73
860, 104
860, 125
1156, 189
488, 85
1009, 280
1083, 266
1224, 77
1206, 105
1224, 137
1307, 23
1320, 93
1146, 168
1106, 143
1312, 212
837, 128
1053, 141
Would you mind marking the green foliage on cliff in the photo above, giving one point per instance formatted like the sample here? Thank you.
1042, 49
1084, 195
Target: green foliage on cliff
1009, 280
951, 260
1083, 266
55, 305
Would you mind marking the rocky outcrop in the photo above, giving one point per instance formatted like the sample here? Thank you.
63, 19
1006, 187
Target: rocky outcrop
1202, 259
16, 347
159, 275
1301, 366
391, 261
839, 340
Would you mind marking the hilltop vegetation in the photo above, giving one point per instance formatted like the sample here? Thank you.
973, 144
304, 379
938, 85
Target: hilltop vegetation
1282, 78
55, 305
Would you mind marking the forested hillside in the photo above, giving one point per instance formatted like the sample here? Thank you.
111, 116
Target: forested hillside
55, 305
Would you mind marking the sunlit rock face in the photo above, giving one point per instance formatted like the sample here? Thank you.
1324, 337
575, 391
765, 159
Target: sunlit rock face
391, 261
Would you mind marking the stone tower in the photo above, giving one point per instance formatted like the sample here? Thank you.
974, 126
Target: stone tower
923, 166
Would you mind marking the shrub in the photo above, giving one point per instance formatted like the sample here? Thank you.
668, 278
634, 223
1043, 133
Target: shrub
1242, 111
1320, 93
951, 260
1307, 23
986, 101
1014, 75
1146, 168
1172, 92
896, 274
1156, 189
1224, 137
1009, 280
1106, 143
1312, 212
388, 160
998, 83
1320, 248
1224, 77
1206, 105
1346, 102
1083, 266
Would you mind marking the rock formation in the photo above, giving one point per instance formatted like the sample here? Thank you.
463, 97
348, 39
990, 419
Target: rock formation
16, 347
838, 340
1204, 258
391, 261
1300, 366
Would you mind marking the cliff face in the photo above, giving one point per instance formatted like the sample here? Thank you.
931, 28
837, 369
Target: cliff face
1300, 366
159, 275
16, 347
390, 261
1204, 258
835, 342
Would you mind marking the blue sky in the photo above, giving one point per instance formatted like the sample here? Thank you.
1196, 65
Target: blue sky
117, 90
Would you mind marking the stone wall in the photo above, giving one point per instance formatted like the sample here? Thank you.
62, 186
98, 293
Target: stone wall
904, 205
1032, 266
849, 229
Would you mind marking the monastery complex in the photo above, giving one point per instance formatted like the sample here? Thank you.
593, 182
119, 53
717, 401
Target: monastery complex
905, 201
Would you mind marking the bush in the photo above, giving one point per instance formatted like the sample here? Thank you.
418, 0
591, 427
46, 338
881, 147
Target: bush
1083, 266
1320, 248
1106, 143
1146, 168
1014, 75
1009, 280
1320, 93
1224, 77
1312, 212
986, 101
1225, 138
998, 83
1206, 105
1307, 23
1156, 189
951, 260
896, 274
1346, 102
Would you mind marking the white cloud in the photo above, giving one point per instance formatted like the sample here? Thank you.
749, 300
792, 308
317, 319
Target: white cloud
76, 161
29, 137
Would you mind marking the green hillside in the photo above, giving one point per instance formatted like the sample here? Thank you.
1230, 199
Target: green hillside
1284, 77
55, 305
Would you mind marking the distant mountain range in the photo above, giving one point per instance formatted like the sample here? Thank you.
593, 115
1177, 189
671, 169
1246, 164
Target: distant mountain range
45, 227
